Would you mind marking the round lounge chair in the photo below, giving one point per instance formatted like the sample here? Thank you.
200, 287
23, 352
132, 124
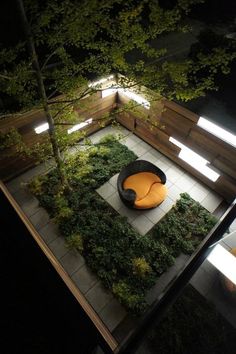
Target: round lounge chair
141, 185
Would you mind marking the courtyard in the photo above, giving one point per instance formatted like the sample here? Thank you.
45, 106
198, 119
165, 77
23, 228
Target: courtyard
114, 315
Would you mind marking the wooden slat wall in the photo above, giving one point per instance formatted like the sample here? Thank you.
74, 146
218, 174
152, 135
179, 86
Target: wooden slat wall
25, 124
181, 123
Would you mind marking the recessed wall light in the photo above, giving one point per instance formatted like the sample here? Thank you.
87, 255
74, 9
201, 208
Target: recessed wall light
217, 131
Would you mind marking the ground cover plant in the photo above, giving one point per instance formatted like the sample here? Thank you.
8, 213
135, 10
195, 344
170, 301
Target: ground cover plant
126, 262
192, 325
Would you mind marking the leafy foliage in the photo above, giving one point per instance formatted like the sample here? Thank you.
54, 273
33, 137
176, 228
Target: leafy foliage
125, 261
76, 41
179, 235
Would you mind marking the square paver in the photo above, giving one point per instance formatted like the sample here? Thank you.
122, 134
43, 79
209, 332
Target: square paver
98, 296
49, 232
139, 150
154, 215
174, 192
198, 192
58, 247
131, 214
72, 261
166, 205
113, 180
112, 314
84, 279
106, 190
173, 174
142, 224
115, 201
211, 201
39, 219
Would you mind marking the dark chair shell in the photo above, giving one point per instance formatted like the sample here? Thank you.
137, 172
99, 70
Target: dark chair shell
128, 196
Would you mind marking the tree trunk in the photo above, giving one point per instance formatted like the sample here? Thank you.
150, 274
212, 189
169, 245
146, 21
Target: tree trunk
42, 93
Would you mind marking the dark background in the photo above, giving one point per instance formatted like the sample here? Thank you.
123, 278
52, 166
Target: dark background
38, 314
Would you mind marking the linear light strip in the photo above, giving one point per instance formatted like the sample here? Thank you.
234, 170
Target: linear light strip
195, 160
130, 94
224, 261
79, 126
43, 127
217, 131
101, 81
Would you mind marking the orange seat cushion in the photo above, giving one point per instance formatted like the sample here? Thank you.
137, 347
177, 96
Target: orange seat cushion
155, 196
141, 183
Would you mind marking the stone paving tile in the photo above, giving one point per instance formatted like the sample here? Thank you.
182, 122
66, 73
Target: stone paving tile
15, 184
166, 205
139, 150
211, 201
185, 181
39, 219
167, 161
198, 192
112, 314
115, 201
84, 279
113, 180
145, 145
98, 296
157, 154
149, 157
58, 247
129, 141
131, 214
49, 232
72, 261
142, 224
154, 215
106, 190
174, 192
154, 293
26, 200
162, 165
173, 174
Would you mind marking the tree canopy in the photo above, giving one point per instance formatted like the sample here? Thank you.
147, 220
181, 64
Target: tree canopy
78, 40
74, 41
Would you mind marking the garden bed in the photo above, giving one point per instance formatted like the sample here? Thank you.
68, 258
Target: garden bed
126, 262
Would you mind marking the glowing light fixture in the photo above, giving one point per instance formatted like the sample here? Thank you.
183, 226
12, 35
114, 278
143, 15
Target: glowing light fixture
79, 126
224, 261
195, 160
108, 92
135, 97
41, 128
130, 94
217, 131
101, 81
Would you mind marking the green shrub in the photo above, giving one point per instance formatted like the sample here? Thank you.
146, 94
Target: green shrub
140, 267
130, 298
75, 241
36, 185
